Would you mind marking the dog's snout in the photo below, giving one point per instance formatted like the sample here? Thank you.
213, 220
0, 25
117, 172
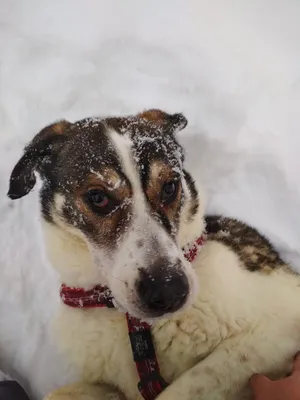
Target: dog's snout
162, 292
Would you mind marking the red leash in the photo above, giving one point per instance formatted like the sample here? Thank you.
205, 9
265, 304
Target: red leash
151, 383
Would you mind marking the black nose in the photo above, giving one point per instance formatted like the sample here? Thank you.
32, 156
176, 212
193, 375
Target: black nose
162, 291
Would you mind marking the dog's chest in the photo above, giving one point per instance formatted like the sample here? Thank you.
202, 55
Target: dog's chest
97, 342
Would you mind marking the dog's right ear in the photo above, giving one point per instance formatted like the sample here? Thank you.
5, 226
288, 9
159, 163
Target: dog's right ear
43, 146
175, 122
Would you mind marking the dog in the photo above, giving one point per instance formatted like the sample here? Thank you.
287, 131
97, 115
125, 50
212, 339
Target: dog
119, 210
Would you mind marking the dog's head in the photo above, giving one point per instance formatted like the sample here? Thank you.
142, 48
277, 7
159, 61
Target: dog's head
119, 185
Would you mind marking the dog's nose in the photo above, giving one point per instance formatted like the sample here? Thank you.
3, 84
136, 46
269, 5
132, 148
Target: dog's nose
162, 292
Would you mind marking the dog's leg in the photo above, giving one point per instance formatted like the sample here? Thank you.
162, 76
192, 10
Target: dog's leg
210, 379
84, 391
225, 373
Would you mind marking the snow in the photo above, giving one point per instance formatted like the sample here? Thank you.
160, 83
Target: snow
232, 68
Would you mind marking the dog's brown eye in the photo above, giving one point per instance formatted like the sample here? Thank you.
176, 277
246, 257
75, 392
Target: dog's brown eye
169, 192
100, 201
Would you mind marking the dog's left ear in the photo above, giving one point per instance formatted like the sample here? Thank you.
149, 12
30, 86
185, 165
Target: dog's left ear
39, 151
175, 122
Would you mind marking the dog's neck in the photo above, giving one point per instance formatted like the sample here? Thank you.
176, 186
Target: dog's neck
70, 255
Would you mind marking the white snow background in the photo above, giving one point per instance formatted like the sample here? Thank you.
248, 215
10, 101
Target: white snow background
232, 67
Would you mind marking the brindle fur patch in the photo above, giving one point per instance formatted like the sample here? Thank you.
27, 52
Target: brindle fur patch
86, 161
161, 118
103, 231
161, 173
154, 115
254, 250
194, 195
110, 180
106, 228
60, 127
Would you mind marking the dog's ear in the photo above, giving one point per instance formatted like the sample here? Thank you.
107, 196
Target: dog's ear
44, 145
175, 122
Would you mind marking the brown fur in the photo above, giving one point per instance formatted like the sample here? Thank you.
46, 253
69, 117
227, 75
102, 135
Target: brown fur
157, 116
161, 173
60, 127
113, 225
254, 250
109, 179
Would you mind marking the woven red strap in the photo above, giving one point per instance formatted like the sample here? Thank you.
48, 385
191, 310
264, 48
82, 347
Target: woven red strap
191, 251
98, 296
151, 383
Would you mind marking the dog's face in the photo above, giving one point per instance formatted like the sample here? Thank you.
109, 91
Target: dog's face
119, 184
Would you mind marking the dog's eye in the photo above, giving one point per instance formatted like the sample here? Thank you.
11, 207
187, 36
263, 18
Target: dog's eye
100, 201
169, 192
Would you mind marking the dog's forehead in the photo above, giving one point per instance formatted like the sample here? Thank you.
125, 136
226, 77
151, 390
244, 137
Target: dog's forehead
90, 146
150, 141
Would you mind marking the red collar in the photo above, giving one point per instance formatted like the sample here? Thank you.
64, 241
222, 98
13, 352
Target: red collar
151, 383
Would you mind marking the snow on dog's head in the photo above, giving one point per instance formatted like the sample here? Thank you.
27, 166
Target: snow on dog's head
117, 188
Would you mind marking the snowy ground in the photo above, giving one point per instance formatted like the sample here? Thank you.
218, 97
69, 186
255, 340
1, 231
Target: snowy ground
233, 68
